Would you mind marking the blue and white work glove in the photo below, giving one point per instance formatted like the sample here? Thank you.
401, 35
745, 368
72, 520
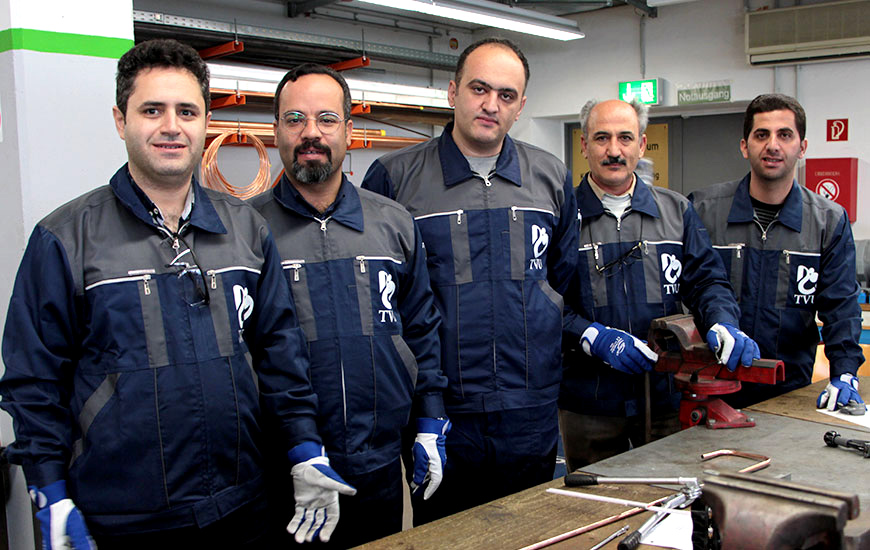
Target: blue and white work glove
315, 487
732, 346
840, 391
618, 349
61, 522
430, 456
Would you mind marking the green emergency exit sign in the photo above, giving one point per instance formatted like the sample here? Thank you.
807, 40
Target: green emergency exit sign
645, 91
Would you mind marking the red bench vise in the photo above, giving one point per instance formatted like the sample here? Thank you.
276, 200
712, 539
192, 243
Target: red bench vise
683, 352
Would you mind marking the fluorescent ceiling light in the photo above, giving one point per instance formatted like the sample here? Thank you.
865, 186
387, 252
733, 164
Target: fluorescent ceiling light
656, 3
490, 14
254, 79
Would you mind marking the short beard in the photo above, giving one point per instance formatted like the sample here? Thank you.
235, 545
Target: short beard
312, 173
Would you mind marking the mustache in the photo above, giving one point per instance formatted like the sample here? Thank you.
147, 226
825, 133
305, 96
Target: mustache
312, 144
613, 160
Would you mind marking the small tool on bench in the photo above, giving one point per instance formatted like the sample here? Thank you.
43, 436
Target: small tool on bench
833, 439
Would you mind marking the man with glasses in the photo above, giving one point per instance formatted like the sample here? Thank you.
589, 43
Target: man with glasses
499, 222
151, 345
356, 266
790, 255
643, 254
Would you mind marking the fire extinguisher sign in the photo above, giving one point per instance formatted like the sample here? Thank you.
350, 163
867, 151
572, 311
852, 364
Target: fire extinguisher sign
838, 129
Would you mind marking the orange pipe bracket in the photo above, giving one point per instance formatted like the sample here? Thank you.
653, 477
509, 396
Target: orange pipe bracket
222, 50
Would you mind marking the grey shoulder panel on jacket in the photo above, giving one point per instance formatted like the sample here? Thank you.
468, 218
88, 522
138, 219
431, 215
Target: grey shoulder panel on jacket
391, 210
71, 210
716, 191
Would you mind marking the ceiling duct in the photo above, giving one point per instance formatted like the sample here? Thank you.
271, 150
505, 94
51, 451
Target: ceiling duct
802, 34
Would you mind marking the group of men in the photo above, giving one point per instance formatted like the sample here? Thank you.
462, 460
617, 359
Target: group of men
183, 367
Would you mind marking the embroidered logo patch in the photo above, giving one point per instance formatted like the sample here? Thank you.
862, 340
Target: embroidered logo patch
244, 306
387, 288
540, 240
806, 276
671, 269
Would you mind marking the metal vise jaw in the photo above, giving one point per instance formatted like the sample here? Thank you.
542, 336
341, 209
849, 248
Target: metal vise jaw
741, 511
683, 352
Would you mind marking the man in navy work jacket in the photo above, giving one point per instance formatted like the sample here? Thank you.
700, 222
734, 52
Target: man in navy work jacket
499, 222
356, 266
643, 254
790, 255
151, 339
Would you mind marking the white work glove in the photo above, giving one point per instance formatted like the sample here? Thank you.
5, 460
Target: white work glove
315, 488
732, 346
61, 523
430, 455
840, 391
618, 349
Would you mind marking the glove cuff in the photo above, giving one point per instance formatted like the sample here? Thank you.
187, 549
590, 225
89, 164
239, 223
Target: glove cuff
433, 425
48, 495
305, 451
850, 379
587, 340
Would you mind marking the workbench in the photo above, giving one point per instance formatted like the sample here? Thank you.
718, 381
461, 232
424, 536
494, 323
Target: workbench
788, 429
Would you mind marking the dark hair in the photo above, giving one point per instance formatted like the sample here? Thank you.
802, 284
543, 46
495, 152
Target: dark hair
499, 42
312, 68
165, 53
775, 102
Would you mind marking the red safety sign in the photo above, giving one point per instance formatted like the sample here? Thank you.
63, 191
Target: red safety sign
835, 179
838, 129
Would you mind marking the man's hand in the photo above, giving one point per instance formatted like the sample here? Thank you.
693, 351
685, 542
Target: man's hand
732, 346
61, 522
430, 456
840, 392
315, 487
618, 349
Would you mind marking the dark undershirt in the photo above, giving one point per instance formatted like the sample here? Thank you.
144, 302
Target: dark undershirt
764, 212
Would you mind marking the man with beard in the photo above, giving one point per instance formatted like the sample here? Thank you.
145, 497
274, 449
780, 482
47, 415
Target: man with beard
790, 255
151, 344
356, 266
499, 221
643, 254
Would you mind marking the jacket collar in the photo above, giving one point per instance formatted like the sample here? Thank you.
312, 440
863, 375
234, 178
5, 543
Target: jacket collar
742, 211
590, 205
346, 210
455, 168
203, 216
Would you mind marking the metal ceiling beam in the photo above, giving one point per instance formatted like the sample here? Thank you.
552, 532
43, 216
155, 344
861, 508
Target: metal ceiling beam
296, 8
652, 13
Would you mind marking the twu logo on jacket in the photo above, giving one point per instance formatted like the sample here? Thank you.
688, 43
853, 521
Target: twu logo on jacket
540, 240
387, 288
671, 268
244, 307
805, 277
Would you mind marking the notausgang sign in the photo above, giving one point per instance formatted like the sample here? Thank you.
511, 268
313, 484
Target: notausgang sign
704, 92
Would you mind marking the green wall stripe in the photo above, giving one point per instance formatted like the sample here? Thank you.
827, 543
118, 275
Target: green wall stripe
63, 42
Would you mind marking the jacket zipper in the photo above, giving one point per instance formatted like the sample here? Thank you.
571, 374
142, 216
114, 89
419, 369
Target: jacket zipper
213, 273
295, 265
144, 278
362, 261
458, 214
514, 210
789, 253
735, 246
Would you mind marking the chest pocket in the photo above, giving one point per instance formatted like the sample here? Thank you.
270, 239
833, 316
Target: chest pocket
798, 279
663, 273
733, 256
527, 240
448, 257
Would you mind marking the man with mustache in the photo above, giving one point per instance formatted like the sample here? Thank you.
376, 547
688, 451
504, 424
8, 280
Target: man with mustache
790, 256
643, 254
151, 345
499, 221
356, 267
